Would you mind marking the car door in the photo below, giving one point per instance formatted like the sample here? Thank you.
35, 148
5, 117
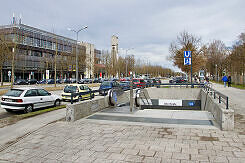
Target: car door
31, 97
86, 89
45, 97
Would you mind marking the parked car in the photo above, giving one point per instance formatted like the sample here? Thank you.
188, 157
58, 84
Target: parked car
139, 83
106, 86
32, 81
43, 81
28, 99
77, 88
73, 80
59, 81
81, 81
50, 81
20, 82
96, 80
125, 85
67, 81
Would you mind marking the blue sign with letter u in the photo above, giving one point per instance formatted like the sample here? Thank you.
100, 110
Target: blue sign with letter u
187, 54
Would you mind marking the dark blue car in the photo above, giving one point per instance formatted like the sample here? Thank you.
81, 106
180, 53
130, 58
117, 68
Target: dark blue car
106, 86
125, 85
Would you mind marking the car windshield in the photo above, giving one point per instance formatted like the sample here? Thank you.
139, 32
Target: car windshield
106, 84
70, 89
14, 93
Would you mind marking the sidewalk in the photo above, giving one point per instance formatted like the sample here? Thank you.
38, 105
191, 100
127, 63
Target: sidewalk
93, 140
236, 102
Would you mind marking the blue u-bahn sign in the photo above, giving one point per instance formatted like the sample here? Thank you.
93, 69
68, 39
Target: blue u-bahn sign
187, 57
187, 54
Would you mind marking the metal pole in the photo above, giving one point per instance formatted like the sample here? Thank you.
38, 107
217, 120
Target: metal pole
192, 86
55, 60
131, 94
77, 59
216, 73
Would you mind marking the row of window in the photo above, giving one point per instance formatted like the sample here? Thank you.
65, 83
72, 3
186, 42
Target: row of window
37, 42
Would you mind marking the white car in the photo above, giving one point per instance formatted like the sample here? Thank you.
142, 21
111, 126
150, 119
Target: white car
28, 99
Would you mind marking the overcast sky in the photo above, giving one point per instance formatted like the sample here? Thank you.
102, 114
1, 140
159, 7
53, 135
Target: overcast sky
148, 26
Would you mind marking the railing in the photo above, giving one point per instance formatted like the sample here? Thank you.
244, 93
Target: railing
216, 94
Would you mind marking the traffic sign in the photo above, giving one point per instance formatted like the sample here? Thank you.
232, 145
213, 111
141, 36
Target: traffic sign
187, 61
47, 74
9, 73
187, 54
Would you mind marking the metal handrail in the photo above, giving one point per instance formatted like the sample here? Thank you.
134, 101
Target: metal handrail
221, 97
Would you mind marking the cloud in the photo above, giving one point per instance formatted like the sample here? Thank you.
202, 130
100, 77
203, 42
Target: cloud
148, 26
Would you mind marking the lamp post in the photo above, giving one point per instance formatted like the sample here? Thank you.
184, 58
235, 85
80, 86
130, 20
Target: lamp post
126, 61
77, 48
216, 72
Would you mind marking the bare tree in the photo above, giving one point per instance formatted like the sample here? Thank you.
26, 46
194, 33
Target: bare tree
186, 42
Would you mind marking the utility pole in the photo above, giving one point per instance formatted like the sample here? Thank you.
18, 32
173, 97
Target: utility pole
55, 60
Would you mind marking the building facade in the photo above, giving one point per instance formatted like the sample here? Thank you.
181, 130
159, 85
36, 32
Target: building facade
34, 51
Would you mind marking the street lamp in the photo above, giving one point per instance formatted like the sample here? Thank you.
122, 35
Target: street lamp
126, 61
77, 48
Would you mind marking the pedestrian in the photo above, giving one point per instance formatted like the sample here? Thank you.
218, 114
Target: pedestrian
229, 81
225, 79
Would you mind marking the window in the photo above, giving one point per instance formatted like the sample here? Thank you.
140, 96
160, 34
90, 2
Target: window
31, 92
43, 92
86, 87
14, 93
81, 87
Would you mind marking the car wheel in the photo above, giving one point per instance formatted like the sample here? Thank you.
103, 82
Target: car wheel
57, 103
80, 98
28, 109
9, 110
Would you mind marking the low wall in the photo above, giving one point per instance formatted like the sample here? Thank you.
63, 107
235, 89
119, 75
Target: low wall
85, 108
224, 117
174, 93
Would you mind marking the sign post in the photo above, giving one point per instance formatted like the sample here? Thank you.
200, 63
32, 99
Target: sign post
131, 92
9, 74
188, 61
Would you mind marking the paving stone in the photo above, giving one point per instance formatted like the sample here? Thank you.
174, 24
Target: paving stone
100, 160
199, 157
240, 154
134, 158
102, 155
207, 152
164, 155
236, 160
180, 156
152, 160
189, 150
130, 151
218, 159
146, 153
170, 161
114, 149
116, 156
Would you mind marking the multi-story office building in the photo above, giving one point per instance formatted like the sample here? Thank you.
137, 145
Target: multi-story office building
34, 52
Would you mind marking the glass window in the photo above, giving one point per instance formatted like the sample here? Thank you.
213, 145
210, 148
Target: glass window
14, 93
43, 92
31, 92
81, 87
86, 87
70, 89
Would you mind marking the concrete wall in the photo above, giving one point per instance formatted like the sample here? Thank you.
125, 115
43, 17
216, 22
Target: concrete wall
224, 117
85, 108
175, 93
